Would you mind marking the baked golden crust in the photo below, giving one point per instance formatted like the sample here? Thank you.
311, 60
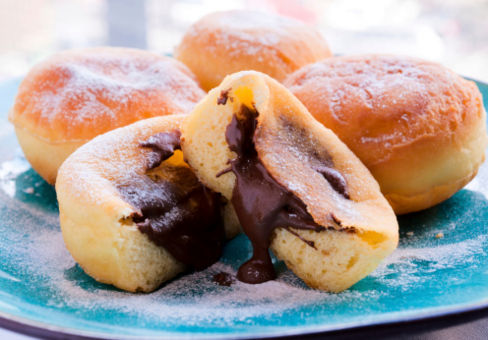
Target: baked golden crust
45, 157
362, 230
96, 221
419, 127
76, 95
222, 43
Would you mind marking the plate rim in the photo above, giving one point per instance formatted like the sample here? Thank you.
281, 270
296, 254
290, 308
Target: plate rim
457, 314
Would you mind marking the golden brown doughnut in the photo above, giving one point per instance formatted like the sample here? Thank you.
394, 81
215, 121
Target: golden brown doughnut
111, 195
300, 189
222, 43
419, 127
76, 95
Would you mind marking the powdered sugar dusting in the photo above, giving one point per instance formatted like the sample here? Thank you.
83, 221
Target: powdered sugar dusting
369, 90
196, 298
192, 298
120, 154
411, 266
33, 245
8, 173
248, 32
90, 90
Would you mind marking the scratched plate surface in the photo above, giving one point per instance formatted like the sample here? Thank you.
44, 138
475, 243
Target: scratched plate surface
40, 284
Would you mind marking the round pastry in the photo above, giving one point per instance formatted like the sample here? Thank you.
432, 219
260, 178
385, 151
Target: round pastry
294, 185
222, 43
131, 211
76, 95
419, 127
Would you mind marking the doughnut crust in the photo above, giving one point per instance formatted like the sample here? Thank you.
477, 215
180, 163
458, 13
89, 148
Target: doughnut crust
359, 231
418, 127
76, 95
222, 43
98, 223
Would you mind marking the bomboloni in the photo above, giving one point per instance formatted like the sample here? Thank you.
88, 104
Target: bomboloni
222, 43
73, 96
418, 127
295, 186
133, 214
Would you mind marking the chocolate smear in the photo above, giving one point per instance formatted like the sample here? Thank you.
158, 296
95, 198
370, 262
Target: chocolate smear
308, 242
176, 212
224, 95
261, 203
335, 179
223, 279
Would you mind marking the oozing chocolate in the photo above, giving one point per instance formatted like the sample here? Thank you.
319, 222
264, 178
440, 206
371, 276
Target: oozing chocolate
261, 203
176, 212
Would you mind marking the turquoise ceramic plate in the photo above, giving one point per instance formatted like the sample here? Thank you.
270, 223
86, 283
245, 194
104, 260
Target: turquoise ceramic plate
41, 285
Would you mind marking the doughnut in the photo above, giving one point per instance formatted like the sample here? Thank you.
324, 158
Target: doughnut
418, 127
295, 187
222, 43
73, 96
133, 214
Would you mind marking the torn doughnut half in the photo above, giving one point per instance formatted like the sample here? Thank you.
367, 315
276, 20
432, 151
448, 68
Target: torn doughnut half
133, 214
295, 186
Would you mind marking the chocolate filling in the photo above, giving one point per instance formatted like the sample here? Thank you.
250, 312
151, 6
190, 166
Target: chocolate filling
176, 212
261, 203
163, 146
335, 179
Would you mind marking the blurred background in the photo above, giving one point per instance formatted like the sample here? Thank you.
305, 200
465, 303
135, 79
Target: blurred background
453, 32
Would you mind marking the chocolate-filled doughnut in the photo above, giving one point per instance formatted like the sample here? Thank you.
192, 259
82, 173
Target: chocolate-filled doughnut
133, 214
418, 127
222, 43
73, 96
295, 186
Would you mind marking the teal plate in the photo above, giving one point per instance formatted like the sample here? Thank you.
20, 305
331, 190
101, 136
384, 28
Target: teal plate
42, 287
